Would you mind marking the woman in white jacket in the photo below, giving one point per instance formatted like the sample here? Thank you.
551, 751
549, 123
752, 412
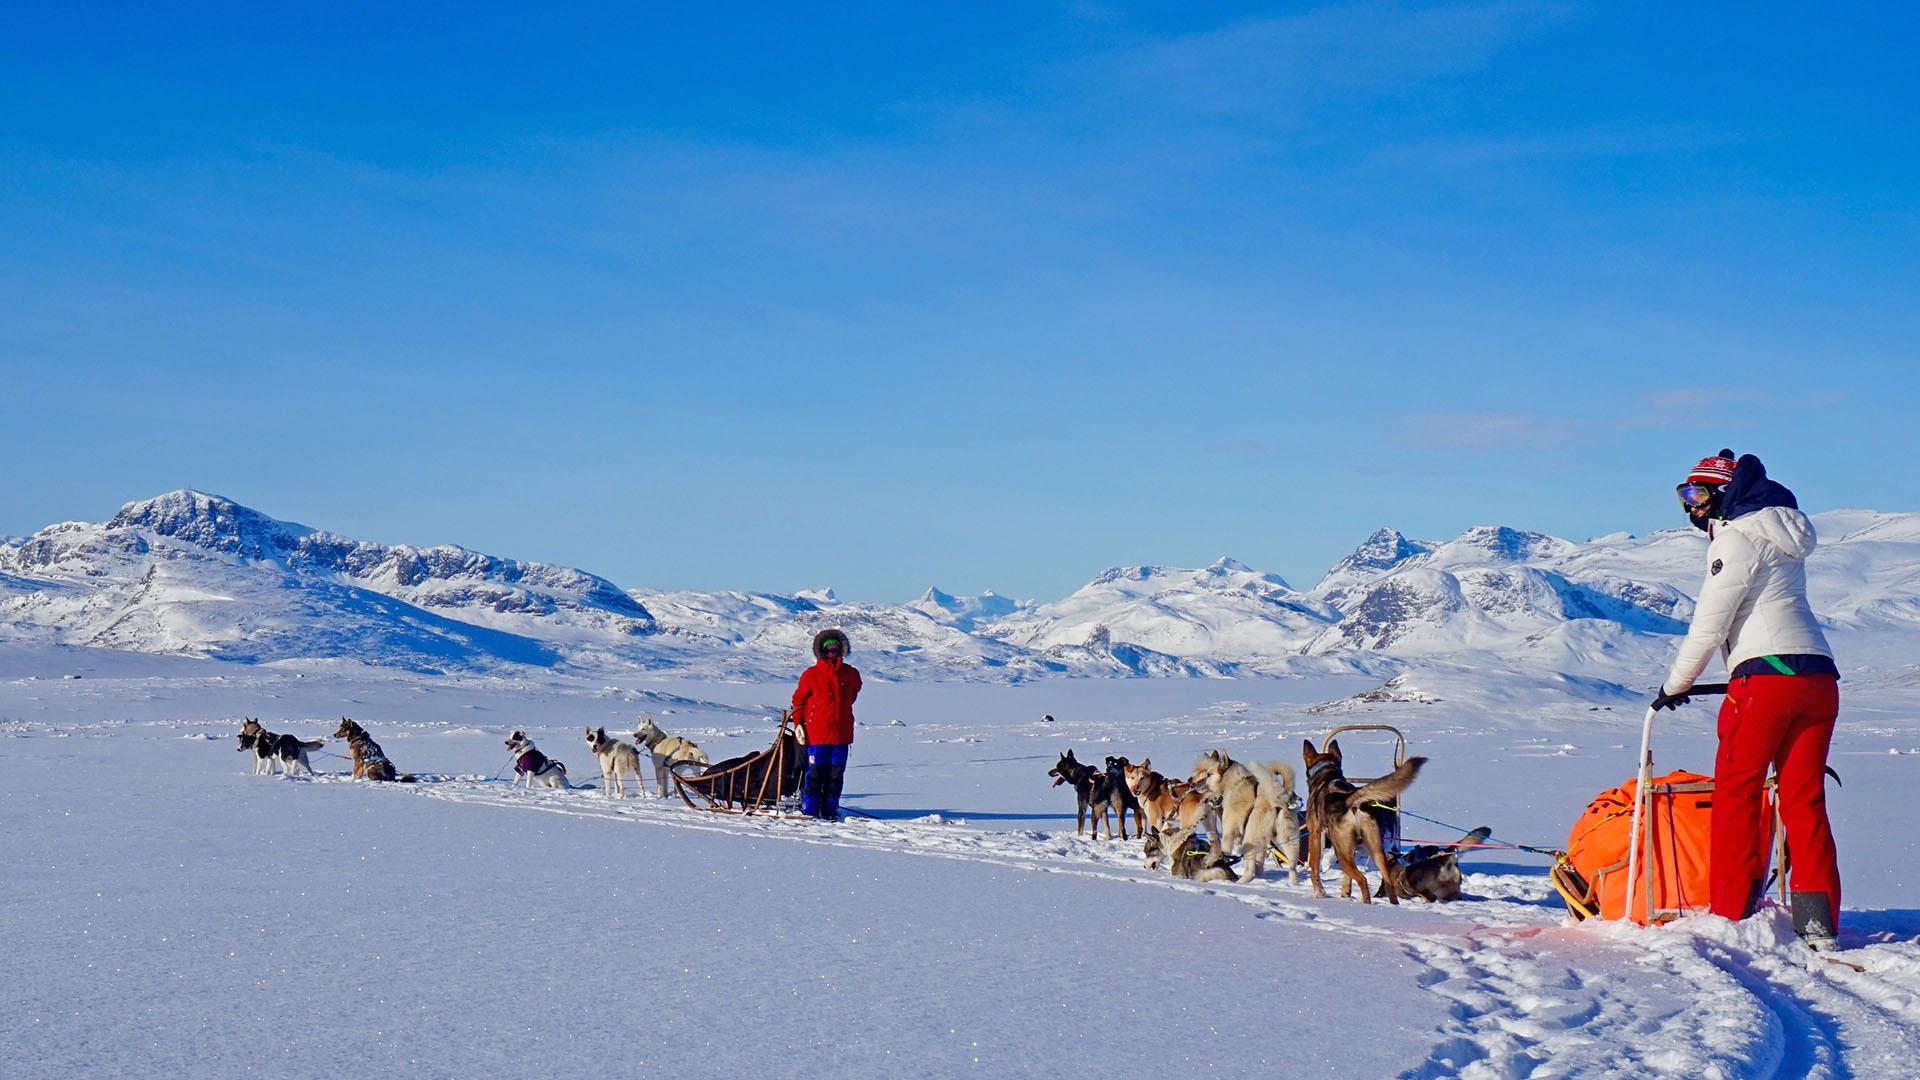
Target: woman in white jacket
1783, 694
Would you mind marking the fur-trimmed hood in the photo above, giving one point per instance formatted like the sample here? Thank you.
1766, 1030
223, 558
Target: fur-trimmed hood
846, 645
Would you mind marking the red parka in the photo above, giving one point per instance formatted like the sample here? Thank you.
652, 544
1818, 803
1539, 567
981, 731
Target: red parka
823, 702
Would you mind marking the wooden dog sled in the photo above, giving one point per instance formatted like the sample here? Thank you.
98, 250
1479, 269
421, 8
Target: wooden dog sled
754, 783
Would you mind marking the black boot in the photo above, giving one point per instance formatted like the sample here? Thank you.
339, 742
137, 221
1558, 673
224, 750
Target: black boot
1813, 920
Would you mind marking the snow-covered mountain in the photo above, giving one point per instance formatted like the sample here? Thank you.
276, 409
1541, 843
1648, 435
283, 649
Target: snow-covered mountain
196, 574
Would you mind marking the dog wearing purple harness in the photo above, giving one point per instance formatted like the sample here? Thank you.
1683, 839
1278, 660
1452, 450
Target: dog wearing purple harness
531, 765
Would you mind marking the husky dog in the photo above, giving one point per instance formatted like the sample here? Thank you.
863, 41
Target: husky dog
1430, 871
269, 748
1193, 859
666, 750
1170, 803
1096, 794
369, 761
530, 764
1256, 810
1340, 814
618, 760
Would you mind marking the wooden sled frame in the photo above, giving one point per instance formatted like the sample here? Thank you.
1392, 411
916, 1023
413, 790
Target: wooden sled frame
698, 790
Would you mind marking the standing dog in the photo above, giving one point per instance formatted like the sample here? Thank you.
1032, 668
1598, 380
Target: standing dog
666, 750
618, 760
1096, 794
369, 761
1431, 872
269, 748
1169, 803
530, 764
1340, 814
1256, 810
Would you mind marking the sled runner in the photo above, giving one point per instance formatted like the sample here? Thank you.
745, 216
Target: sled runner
754, 783
1390, 830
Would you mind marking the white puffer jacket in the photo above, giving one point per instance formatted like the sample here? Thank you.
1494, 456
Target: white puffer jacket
1754, 602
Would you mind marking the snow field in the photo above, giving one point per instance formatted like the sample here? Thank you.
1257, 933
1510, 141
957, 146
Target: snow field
170, 908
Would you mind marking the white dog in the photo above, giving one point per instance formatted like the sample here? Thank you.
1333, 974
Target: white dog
618, 760
1256, 811
666, 750
531, 765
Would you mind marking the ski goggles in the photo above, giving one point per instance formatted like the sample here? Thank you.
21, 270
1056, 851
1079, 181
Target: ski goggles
1696, 495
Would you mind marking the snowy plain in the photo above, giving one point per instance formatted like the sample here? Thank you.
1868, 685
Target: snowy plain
172, 915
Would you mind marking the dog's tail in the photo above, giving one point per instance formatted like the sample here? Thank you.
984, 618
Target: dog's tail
1388, 787
1276, 782
408, 779
314, 745
1473, 839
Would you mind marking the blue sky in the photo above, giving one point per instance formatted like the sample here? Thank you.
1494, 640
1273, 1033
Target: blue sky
762, 297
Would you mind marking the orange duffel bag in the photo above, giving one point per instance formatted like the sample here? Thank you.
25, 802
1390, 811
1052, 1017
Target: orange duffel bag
1592, 876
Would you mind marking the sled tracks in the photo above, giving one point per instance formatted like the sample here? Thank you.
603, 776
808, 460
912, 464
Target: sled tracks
1527, 997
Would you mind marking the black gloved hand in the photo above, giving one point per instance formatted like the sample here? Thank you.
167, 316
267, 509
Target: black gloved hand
1664, 700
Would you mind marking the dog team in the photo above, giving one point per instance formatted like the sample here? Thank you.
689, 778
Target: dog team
1249, 811
618, 760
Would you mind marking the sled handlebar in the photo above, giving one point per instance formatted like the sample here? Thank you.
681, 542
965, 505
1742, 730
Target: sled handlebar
1708, 688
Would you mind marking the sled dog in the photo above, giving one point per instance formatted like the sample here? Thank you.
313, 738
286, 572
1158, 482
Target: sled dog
1256, 810
666, 750
1193, 859
531, 765
1340, 814
1170, 803
1095, 794
618, 760
268, 748
1430, 871
369, 761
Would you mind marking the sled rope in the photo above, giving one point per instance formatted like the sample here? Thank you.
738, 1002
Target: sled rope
1552, 853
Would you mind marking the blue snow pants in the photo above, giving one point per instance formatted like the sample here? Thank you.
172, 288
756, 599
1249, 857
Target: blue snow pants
826, 772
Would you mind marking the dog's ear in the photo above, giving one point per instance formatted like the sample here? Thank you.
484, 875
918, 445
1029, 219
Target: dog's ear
1333, 749
1307, 752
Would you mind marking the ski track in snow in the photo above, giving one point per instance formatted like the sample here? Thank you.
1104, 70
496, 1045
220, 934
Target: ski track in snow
1528, 996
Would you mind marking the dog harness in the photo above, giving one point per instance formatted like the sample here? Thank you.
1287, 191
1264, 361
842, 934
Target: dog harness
533, 761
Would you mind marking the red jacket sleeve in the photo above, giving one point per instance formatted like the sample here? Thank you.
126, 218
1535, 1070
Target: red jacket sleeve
800, 695
854, 690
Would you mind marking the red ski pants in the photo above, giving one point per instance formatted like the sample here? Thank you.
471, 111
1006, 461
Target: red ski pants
1784, 721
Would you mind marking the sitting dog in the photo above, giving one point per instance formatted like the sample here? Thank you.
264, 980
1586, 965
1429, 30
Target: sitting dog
1193, 859
1256, 810
531, 765
369, 761
1096, 793
1342, 815
618, 761
666, 750
1431, 872
269, 748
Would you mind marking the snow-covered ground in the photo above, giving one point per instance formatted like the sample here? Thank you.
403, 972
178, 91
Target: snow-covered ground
171, 915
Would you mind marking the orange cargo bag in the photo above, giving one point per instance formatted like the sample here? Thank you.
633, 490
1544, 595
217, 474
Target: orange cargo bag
1592, 877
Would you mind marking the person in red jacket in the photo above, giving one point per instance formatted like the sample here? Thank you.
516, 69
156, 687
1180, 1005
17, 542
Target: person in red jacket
823, 705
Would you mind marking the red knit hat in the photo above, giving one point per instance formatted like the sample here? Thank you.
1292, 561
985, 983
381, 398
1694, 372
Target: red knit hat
1717, 469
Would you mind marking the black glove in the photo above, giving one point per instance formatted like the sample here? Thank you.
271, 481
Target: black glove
1664, 700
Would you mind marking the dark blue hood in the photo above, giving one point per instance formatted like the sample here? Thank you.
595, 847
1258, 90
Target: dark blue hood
1751, 490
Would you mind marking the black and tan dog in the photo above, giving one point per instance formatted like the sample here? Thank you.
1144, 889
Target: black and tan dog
1340, 814
1096, 794
1431, 871
369, 761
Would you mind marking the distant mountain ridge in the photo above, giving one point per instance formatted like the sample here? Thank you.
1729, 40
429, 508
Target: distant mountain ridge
198, 574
